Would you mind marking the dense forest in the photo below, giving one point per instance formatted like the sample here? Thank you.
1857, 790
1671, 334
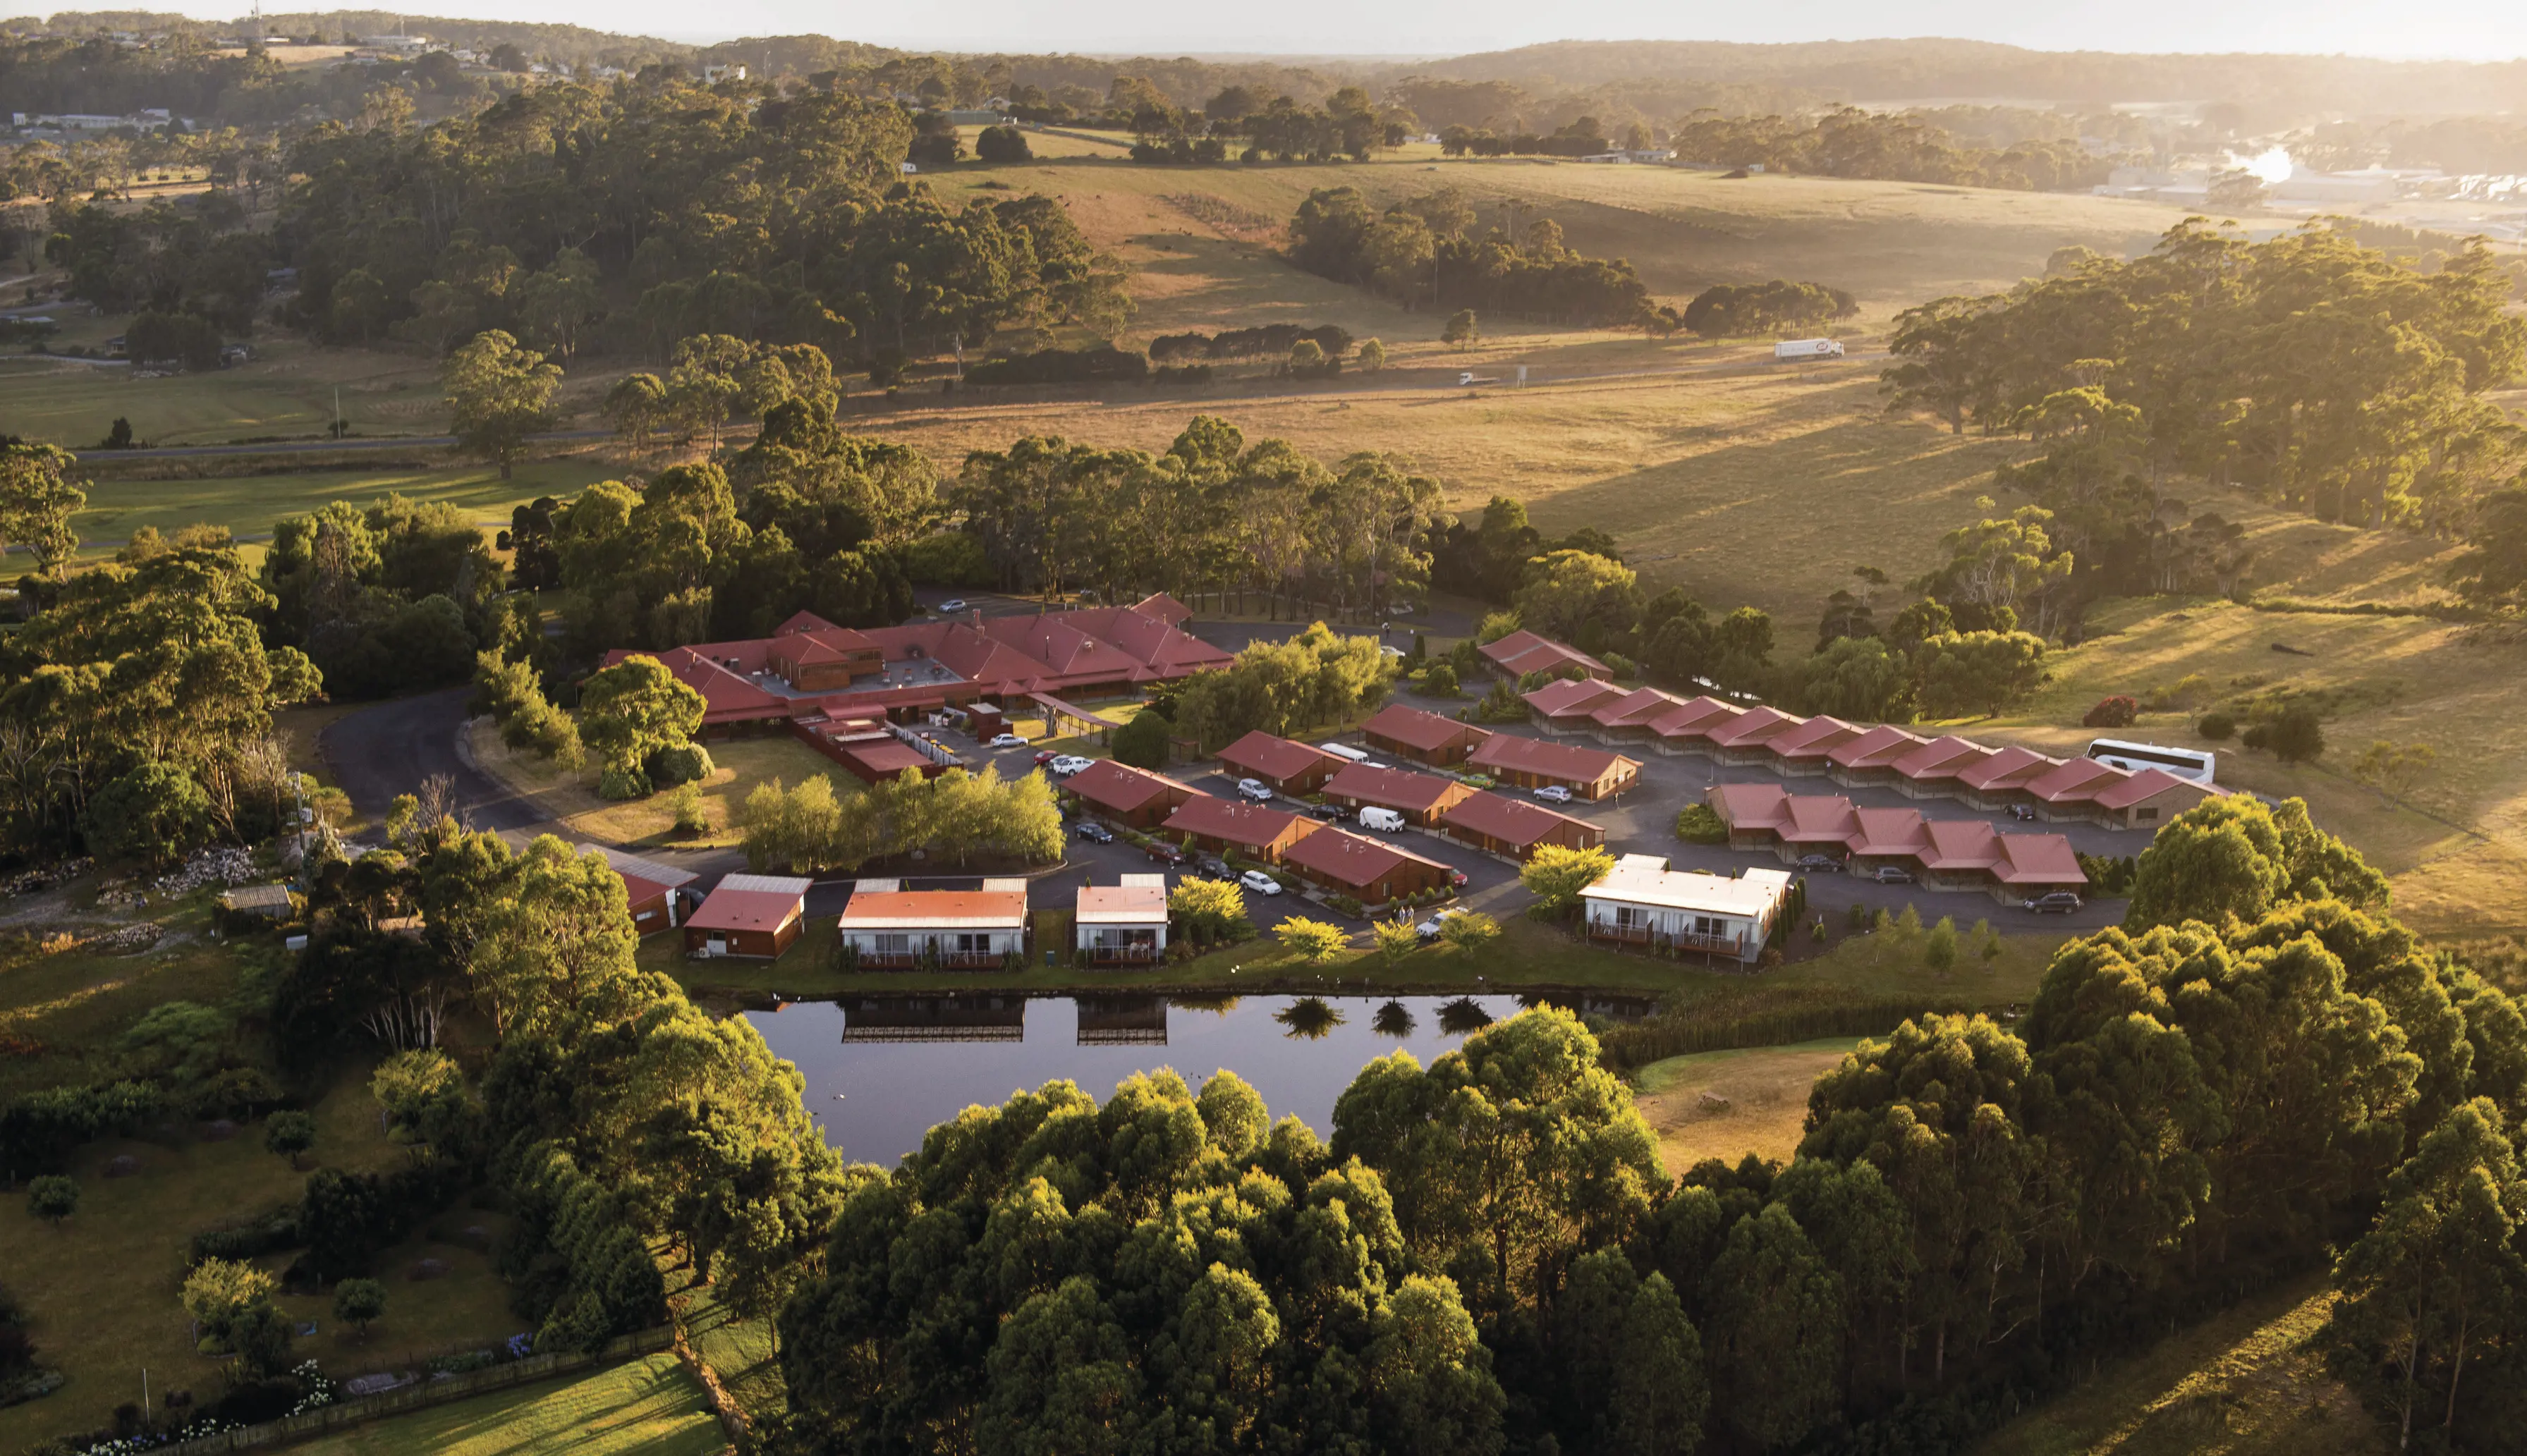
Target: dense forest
1423, 252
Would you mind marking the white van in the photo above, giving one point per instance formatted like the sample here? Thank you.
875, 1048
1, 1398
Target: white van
1385, 820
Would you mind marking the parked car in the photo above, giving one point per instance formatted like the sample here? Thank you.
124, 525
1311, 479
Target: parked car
2059, 902
1385, 820
1046, 757
1820, 864
1551, 793
1065, 765
1256, 789
1892, 875
1095, 833
2022, 811
1456, 879
1008, 740
1384, 650
1215, 868
1402, 608
1326, 811
1478, 781
952, 604
1260, 882
1165, 853
1465, 376
1429, 929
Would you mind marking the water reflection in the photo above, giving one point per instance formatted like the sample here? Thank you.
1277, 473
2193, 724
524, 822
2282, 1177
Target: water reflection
881, 1071
1308, 1017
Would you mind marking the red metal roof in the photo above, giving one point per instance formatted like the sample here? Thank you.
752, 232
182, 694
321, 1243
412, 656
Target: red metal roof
2038, 860
2075, 781
1820, 819
1511, 821
2007, 768
2146, 785
1813, 738
1415, 728
1758, 726
1961, 844
1699, 717
1875, 750
1395, 788
1524, 652
1885, 832
1752, 806
1233, 820
1350, 859
1940, 758
901, 909
747, 910
1638, 707
1120, 786
1572, 697
1267, 756
1563, 760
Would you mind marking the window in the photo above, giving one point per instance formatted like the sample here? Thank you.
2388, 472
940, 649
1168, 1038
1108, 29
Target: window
1704, 924
2147, 816
1630, 919
893, 945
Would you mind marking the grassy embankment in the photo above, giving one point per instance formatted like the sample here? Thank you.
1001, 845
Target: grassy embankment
2243, 1383
1726, 1104
644, 1407
101, 1289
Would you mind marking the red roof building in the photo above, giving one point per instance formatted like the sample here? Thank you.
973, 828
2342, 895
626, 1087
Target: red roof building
1564, 705
752, 915
1514, 828
652, 890
1425, 738
1522, 652
1528, 762
1369, 871
1687, 727
1626, 719
1945, 853
2000, 781
1748, 738
2146, 799
1291, 767
810, 665
1869, 757
1251, 830
1931, 771
1801, 752
1419, 797
1122, 794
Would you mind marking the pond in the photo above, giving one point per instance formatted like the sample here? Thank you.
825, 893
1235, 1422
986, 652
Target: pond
881, 1071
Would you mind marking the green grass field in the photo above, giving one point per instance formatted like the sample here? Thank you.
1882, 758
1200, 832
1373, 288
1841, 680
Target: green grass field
286, 390
740, 763
248, 505
645, 1407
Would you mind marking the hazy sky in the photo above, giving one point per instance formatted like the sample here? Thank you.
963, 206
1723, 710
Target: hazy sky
2473, 29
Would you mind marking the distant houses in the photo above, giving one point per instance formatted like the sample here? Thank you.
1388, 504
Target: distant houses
1966, 854
1287, 767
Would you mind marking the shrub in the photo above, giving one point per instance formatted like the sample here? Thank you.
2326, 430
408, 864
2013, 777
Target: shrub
2217, 727
53, 1198
1621, 665
1346, 904
1700, 823
2114, 712
686, 763
288, 1134
1310, 940
1468, 931
1373, 355
1100, 364
692, 815
2296, 736
998, 144
1440, 681
1143, 743
359, 1301
623, 783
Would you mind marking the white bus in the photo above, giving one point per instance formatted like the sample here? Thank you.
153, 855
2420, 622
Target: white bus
2192, 763
1346, 751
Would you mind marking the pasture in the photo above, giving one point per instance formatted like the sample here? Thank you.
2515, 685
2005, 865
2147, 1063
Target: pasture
1728, 1104
644, 1407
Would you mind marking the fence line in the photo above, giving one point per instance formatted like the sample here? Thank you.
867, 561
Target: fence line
427, 1392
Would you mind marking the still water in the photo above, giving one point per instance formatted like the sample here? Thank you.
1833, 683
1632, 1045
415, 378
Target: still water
882, 1070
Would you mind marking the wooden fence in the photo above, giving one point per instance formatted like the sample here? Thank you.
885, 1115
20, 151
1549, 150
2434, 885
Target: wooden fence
429, 1392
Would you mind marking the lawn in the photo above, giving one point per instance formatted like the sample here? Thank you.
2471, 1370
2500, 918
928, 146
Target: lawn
287, 391
61, 1012
248, 505
1726, 1104
740, 763
644, 1407
740, 1350
2454, 843
2240, 1383
102, 1289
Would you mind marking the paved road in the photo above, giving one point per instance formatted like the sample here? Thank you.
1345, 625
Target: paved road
393, 747
302, 447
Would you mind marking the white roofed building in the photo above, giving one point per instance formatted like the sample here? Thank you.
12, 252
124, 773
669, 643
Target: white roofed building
1122, 924
1642, 902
